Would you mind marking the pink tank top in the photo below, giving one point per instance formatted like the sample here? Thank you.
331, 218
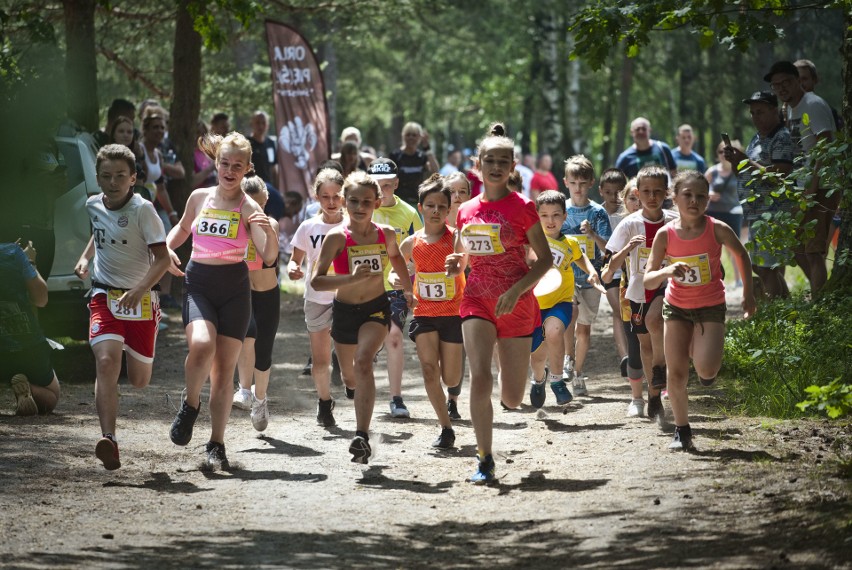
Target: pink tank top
375, 254
219, 234
702, 286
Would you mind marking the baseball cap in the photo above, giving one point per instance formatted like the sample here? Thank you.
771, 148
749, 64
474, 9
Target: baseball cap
786, 67
383, 168
762, 97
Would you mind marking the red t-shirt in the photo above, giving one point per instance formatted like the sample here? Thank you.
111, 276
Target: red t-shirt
542, 181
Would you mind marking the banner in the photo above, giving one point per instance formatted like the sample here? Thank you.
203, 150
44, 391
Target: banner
301, 112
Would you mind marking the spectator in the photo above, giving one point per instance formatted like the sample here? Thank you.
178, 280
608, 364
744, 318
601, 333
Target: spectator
454, 160
367, 154
204, 166
724, 199
684, 157
288, 224
220, 124
525, 172
263, 152
118, 108
543, 179
350, 159
644, 151
415, 161
808, 78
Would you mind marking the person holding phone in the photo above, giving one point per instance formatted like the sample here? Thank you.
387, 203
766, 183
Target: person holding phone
724, 202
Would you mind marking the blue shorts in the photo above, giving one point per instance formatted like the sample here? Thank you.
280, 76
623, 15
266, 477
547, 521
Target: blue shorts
561, 311
398, 307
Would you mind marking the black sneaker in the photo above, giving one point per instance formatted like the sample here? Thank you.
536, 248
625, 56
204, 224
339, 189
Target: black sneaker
306, 371
216, 458
181, 432
324, 415
446, 440
453, 410
360, 450
655, 406
350, 392
336, 379
682, 439
707, 382
658, 377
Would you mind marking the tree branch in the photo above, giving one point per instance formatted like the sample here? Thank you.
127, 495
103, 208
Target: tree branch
133, 73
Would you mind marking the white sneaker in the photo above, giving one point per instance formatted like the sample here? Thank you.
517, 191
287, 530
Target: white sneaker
568, 367
398, 408
636, 409
579, 385
260, 414
243, 399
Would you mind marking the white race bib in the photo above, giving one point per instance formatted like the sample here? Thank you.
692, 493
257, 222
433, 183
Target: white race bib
140, 312
435, 286
482, 239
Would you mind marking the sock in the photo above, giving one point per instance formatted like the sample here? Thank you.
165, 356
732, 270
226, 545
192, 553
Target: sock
363, 434
110, 437
554, 377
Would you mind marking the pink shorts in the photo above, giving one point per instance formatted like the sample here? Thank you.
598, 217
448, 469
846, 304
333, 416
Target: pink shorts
139, 337
522, 321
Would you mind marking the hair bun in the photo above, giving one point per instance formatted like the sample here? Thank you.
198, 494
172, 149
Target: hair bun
497, 130
435, 176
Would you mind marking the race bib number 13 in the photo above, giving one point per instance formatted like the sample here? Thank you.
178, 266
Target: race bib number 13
435, 286
141, 312
482, 239
218, 223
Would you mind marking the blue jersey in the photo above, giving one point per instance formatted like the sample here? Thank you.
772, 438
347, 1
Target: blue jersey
691, 161
632, 160
19, 328
599, 221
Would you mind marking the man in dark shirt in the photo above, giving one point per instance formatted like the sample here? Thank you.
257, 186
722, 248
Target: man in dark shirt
263, 149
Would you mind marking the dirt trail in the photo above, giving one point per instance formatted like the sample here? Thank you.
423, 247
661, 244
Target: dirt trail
589, 488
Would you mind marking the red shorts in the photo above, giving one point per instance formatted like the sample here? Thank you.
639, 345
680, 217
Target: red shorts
139, 337
522, 321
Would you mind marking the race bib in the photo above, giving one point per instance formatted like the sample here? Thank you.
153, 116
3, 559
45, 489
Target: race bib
373, 255
482, 239
218, 223
251, 252
140, 312
562, 255
698, 272
435, 286
587, 244
644, 254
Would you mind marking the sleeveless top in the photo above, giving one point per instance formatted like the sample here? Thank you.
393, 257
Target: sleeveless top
353, 254
702, 285
153, 170
437, 294
219, 234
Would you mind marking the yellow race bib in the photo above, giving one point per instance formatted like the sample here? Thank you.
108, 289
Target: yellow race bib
482, 239
218, 223
435, 286
374, 255
699, 270
141, 312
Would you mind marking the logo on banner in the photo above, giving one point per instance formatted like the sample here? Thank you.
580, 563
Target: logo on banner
298, 139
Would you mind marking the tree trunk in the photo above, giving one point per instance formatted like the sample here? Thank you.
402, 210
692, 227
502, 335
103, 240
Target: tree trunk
572, 140
551, 135
81, 70
606, 146
623, 120
186, 99
528, 105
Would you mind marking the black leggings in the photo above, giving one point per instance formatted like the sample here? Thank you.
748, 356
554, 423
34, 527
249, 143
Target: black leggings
220, 294
265, 314
634, 353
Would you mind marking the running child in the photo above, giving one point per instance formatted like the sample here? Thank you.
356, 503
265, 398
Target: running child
255, 361
360, 250
694, 307
309, 237
404, 220
633, 239
498, 304
588, 222
555, 294
436, 326
217, 291
130, 256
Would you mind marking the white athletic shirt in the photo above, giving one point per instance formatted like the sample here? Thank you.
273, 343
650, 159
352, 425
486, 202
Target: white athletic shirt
614, 220
122, 239
309, 237
635, 225
153, 170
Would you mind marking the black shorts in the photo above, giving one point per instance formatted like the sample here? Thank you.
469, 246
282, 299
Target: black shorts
220, 294
33, 362
346, 319
638, 312
448, 328
398, 308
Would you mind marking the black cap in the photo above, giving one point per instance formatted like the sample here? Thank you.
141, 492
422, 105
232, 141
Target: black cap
762, 97
383, 168
786, 67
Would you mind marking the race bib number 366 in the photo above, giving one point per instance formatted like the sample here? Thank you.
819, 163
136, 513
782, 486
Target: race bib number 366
141, 312
373, 255
218, 223
482, 239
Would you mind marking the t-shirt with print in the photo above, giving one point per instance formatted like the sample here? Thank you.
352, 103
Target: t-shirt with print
309, 237
19, 328
775, 148
599, 221
122, 238
412, 171
636, 225
494, 234
403, 218
691, 161
632, 160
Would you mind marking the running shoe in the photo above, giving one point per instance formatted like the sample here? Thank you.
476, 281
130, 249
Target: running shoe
260, 414
658, 377
563, 394
453, 410
216, 458
655, 407
579, 385
446, 440
306, 371
707, 381
664, 394
682, 439
242, 399
538, 393
636, 408
25, 405
350, 392
107, 451
398, 409
360, 450
336, 378
624, 367
324, 415
181, 431
568, 367
485, 473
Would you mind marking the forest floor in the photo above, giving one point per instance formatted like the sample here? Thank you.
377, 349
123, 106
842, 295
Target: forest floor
580, 487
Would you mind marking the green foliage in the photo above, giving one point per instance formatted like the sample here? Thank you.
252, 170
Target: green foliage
773, 358
835, 398
213, 18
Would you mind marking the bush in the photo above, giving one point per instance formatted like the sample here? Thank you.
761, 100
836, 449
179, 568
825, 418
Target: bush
789, 345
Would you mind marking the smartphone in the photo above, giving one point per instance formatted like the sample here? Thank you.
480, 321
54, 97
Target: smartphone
725, 139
